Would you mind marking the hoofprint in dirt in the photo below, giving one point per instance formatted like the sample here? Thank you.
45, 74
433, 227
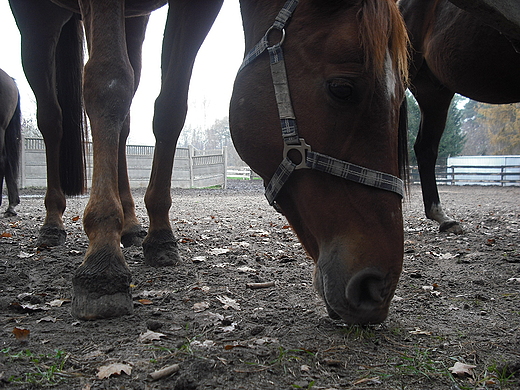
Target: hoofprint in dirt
457, 302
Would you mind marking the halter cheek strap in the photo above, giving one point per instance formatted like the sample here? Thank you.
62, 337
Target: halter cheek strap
309, 159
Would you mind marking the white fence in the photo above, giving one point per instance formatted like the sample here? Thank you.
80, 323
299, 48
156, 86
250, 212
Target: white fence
192, 168
483, 170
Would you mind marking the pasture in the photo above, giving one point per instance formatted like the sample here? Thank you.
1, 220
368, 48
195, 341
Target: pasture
457, 301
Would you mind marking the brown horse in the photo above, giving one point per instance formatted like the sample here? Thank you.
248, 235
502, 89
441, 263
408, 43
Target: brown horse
452, 52
10, 140
343, 81
503, 15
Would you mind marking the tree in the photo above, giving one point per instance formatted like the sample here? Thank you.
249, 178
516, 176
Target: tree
30, 129
453, 138
216, 136
502, 123
477, 137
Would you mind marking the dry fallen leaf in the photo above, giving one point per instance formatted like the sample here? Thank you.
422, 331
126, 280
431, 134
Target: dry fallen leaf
200, 306
113, 369
461, 369
245, 268
228, 302
198, 259
145, 301
25, 255
150, 336
218, 251
47, 319
28, 307
58, 302
21, 334
420, 331
6, 235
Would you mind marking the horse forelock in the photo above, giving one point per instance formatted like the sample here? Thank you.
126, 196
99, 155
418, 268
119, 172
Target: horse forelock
382, 31
382, 34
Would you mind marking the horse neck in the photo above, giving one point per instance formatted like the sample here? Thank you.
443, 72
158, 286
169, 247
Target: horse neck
257, 17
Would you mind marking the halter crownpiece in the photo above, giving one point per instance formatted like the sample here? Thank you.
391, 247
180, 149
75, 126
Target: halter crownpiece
309, 159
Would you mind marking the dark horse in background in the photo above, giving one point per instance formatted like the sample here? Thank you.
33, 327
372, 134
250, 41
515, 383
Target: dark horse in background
454, 51
10, 140
341, 77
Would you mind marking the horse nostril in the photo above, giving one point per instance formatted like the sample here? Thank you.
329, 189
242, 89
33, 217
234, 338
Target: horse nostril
366, 289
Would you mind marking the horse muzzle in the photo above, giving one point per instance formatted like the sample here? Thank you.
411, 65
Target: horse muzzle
356, 297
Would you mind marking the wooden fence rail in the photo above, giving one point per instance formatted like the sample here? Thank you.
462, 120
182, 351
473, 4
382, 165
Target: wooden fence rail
192, 168
198, 169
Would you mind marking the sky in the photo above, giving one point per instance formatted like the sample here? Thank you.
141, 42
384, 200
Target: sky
211, 85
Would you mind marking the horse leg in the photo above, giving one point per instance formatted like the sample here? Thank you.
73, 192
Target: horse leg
188, 23
11, 182
39, 40
2, 162
434, 102
102, 282
13, 148
133, 233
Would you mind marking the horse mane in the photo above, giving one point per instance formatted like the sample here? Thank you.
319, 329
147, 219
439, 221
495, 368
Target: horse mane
392, 36
382, 28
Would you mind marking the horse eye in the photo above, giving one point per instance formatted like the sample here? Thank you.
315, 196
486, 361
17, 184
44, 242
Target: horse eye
341, 89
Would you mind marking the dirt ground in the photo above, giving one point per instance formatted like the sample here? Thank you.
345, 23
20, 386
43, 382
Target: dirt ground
458, 301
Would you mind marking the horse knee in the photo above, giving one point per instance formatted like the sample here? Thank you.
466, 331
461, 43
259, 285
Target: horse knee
108, 95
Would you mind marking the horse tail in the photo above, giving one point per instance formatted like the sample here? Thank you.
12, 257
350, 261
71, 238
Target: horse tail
13, 143
69, 74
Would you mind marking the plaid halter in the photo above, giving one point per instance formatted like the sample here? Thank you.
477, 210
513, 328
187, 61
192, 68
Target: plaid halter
309, 159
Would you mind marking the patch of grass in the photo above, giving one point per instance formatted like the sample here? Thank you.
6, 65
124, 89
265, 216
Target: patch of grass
287, 355
309, 386
420, 363
498, 375
358, 332
284, 357
46, 368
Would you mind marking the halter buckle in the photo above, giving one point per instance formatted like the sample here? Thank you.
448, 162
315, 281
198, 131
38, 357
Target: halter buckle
303, 148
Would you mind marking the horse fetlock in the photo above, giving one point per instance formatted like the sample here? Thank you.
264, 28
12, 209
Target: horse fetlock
160, 249
133, 236
101, 287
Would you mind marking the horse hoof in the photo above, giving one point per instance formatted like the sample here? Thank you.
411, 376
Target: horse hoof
101, 288
10, 213
451, 227
160, 249
134, 236
51, 236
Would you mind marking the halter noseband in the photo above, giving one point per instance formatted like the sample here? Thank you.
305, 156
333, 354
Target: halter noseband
309, 159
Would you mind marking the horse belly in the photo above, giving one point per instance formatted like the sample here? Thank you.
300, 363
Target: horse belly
477, 62
132, 7
8, 99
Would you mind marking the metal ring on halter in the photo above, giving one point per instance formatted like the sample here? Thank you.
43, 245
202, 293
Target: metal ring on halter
303, 148
269, 31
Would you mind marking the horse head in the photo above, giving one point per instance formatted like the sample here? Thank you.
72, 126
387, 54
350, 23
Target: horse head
345, 64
